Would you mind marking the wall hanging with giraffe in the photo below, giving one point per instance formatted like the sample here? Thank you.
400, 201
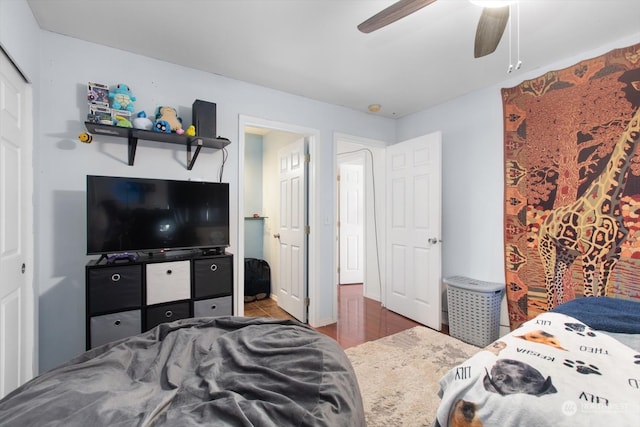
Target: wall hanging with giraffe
572, 184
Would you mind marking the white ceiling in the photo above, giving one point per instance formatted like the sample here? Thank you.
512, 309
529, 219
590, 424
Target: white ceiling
313, 48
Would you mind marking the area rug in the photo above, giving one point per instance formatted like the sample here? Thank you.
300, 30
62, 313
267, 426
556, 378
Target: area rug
399, 375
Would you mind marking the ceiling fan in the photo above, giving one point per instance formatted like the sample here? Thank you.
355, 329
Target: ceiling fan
488, 33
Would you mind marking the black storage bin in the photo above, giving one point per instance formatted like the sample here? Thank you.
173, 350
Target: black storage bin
257, 279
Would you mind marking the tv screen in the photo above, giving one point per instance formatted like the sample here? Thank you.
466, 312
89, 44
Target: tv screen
147, 215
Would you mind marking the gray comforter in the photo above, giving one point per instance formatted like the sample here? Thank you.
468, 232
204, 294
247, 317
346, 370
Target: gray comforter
208, 371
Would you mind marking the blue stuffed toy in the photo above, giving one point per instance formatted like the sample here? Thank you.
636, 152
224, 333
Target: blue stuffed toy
161, 126
122, 98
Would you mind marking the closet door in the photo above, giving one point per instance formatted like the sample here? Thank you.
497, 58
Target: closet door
17, 296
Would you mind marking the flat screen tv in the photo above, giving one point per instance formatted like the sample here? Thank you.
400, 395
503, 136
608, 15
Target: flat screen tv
128, 215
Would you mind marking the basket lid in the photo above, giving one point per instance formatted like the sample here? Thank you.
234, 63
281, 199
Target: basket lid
473, 284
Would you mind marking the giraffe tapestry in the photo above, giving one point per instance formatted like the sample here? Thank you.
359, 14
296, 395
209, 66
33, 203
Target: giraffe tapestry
572, 184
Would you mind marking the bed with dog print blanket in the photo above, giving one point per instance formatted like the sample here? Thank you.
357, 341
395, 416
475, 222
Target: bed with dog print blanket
554, 370
225, 371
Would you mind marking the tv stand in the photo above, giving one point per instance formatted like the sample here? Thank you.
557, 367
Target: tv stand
127, 298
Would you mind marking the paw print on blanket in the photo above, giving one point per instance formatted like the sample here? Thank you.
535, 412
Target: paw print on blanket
582, 367
579, 329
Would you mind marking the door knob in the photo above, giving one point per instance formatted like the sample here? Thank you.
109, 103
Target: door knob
276, 236
434, 240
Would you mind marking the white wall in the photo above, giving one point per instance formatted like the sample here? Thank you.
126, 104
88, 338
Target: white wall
19, 37
473, 173
253, 229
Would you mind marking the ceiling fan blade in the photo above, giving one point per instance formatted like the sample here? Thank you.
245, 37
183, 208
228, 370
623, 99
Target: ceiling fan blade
490, 29
391, 14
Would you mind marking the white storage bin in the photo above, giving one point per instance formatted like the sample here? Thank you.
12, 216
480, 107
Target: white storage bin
168, 281
474, 309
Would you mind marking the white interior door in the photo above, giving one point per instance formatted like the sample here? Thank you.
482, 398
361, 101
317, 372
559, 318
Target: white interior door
351, 223
292, 277
413, 229
17, 300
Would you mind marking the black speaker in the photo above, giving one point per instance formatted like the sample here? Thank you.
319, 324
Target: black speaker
204, 118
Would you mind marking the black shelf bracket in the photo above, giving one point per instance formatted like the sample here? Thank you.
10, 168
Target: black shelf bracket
133, 144
192, 160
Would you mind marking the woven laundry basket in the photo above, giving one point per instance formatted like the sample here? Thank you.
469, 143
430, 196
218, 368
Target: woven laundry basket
474, 309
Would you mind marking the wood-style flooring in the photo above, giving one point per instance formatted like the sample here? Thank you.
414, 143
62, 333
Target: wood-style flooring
265, 308
360, 319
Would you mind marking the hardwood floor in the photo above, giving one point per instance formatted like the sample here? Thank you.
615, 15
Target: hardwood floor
360, 319
265, 308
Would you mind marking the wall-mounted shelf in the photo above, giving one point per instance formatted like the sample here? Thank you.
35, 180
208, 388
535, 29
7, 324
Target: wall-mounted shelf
133, 135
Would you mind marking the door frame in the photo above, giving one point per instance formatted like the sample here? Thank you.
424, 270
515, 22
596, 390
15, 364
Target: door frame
314, 288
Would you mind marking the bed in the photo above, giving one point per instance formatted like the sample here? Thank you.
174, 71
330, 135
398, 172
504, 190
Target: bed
576, 365
206, 371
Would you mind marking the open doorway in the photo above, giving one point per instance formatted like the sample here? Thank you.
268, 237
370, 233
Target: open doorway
364, 160
260, 231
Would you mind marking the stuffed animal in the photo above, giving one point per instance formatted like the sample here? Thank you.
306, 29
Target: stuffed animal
123, 122
122, 98
191, 131
169, 115
85, 137
142, 121
161, 126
